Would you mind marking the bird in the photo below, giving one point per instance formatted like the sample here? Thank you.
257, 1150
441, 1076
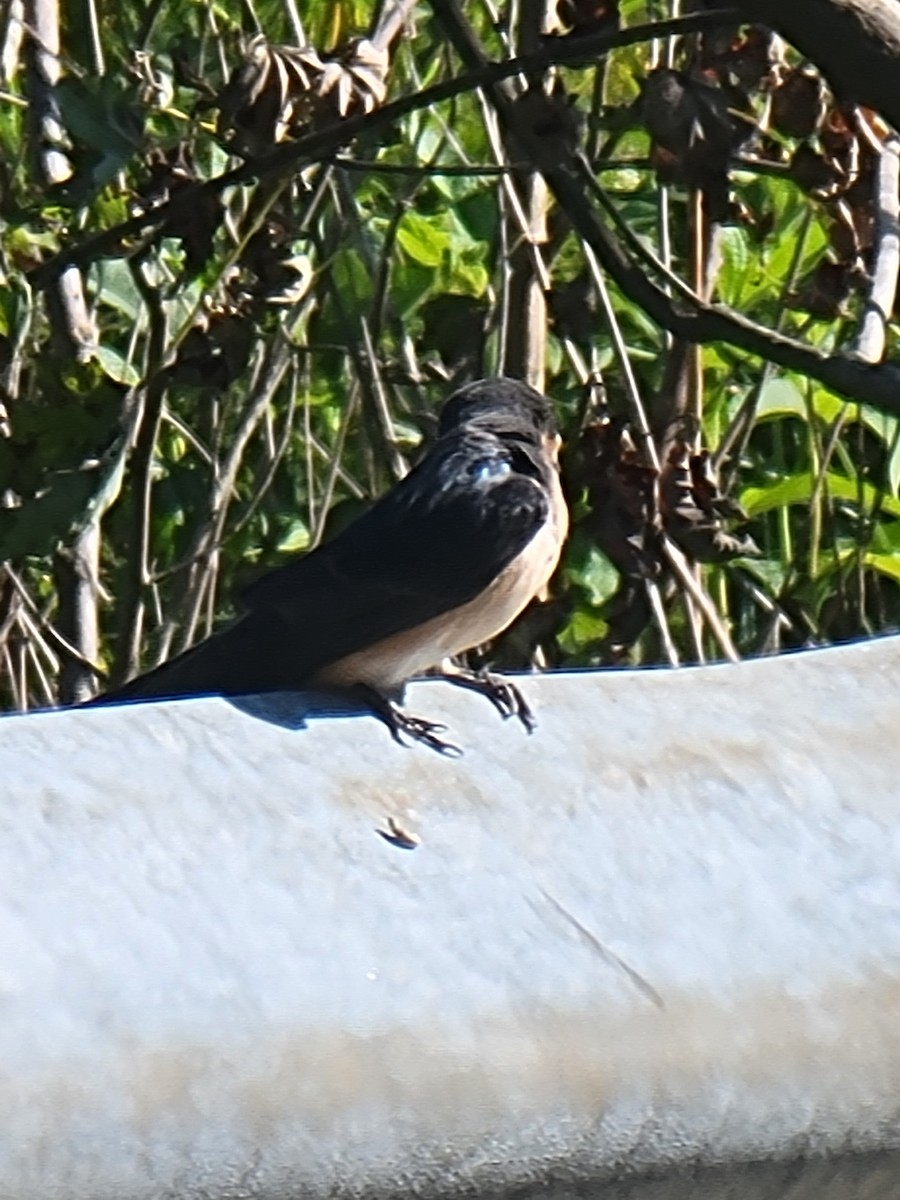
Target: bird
440, 564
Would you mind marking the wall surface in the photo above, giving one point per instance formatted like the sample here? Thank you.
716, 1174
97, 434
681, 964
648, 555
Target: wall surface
655, 945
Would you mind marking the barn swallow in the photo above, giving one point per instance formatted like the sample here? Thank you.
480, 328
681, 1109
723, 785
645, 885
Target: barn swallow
443, 562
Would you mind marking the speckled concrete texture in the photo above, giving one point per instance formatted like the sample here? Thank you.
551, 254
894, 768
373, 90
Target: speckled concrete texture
652, 943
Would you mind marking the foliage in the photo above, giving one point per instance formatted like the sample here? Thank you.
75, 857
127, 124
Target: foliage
271, 355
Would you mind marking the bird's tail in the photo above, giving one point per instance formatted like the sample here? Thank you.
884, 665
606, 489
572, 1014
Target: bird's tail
225, 664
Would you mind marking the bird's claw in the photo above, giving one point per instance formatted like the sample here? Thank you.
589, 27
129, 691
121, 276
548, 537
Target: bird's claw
505, 696
417, 729
508, 700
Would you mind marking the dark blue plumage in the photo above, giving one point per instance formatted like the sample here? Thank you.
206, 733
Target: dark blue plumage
401, 587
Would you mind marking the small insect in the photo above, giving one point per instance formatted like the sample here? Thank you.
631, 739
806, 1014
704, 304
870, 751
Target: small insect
398, 836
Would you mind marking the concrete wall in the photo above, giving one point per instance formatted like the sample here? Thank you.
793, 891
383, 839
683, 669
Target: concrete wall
654, 942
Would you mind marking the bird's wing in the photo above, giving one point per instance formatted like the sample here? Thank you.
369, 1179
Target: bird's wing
432, 544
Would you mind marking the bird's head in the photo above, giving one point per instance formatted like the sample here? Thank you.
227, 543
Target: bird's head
500, 406
507, 408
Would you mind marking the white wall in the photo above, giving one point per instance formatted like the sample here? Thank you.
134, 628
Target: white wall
217, 979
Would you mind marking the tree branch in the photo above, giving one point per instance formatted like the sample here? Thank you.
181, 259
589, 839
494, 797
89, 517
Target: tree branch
291, 157
542, 137
855, 43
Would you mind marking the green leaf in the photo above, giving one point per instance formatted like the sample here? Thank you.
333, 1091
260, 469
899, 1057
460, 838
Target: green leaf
826, 405
116, 367
100, 115
351, 277
422, 240
582, 628
590, 568
886, 427
770, 571
884, 564
478, 215
737, 262
790, 214
798, 489
411, 285
795, 489
116, 287
464, 277
294, 539
781, 398
38, 524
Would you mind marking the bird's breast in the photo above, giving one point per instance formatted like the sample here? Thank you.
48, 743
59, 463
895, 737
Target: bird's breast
388, 664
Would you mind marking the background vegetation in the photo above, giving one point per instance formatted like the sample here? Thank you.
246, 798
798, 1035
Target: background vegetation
247, 250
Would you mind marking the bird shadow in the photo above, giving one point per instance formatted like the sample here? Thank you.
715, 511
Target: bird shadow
294, 710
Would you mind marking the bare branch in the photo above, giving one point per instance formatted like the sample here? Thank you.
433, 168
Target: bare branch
291, 157
880, 303
856, 43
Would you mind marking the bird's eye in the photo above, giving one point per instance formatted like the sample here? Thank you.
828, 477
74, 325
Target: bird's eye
489, 468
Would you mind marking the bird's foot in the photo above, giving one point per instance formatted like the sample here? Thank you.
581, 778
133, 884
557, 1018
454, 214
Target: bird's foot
400, 722
418, 729
505, 696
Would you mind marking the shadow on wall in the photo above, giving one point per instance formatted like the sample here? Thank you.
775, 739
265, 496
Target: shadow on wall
293, 710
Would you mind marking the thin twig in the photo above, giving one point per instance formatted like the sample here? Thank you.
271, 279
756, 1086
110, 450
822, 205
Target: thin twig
19, 699
622, 356
209, 537
735, 438
662, 622
398, 464
33, 642
278, 452
288, 158
522, 224
393, 16
870, 341
682, 568
52, 633
334, 467
151, 407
